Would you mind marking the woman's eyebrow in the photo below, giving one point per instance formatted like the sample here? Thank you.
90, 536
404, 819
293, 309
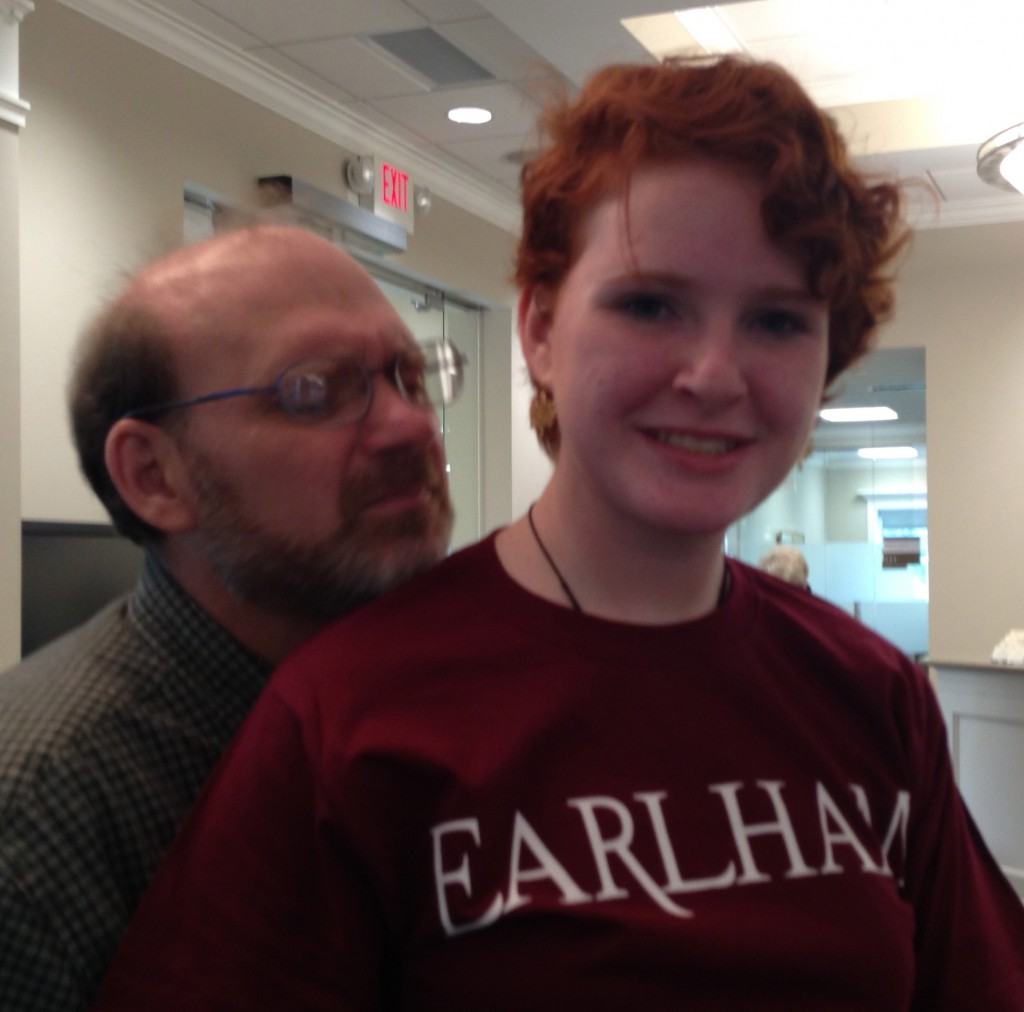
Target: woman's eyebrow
671, 279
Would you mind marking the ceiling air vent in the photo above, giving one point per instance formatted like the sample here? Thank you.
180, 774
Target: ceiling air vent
432, 56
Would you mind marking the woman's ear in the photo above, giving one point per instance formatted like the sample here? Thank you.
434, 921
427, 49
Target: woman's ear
147, 468
536, 309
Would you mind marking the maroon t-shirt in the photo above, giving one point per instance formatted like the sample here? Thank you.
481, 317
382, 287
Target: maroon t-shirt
466, 798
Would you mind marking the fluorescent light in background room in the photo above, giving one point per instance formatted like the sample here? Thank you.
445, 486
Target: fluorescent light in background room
888, 453
872, 414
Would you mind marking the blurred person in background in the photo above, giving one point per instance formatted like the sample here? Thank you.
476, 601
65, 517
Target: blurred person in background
788, 563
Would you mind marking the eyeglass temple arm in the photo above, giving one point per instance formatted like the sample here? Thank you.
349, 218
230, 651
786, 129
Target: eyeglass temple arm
156, 409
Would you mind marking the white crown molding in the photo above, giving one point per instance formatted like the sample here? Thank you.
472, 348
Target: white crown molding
963, 213
15, 11
234, 69
13, 110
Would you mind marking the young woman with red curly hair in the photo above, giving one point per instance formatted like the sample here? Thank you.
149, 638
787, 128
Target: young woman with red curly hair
590, 763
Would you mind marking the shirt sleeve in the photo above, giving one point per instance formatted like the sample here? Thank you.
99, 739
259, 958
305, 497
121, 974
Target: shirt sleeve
36, 972
257, 905
969, 920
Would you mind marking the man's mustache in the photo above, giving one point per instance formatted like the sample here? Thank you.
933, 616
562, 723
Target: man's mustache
397, 471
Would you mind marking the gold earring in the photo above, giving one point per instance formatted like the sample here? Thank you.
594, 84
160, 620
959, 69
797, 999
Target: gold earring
542, 411
544, 419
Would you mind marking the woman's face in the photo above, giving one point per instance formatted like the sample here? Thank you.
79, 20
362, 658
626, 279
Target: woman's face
686, 356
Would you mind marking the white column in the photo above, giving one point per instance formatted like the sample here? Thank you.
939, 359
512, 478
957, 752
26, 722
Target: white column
13, 110
13, 116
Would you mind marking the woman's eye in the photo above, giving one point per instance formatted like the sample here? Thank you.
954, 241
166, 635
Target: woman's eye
644, 306
781, 322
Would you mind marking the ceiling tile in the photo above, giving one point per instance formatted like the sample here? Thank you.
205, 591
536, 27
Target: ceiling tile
498, 49
301, 20
514, 114
489, 156
401, 133
297, 72
357, 68
199, 17
438, 11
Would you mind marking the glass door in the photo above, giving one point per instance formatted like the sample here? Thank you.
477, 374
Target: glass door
431, 315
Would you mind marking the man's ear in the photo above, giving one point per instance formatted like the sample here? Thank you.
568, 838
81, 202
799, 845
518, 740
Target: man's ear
148, 470
536, 309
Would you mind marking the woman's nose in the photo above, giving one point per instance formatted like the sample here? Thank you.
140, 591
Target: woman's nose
712, 368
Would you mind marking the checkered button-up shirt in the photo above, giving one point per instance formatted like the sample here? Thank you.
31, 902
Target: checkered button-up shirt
106, 737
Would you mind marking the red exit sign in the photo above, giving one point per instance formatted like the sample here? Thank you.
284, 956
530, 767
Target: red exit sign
394, 187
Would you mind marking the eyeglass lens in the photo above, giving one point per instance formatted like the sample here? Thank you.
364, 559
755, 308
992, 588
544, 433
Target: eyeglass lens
443, 371
340, 390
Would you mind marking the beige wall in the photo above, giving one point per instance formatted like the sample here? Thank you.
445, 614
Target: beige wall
959, 297
116, 131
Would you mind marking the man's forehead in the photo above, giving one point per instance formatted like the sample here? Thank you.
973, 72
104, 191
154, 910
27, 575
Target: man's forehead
326, 328
250, 262
260, 340
259, 302
256, 275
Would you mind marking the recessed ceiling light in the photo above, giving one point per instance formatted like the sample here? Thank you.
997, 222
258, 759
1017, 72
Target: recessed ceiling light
469, 114
858, 414
887, 453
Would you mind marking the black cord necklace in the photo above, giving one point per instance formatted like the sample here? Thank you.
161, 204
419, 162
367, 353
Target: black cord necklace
551, 562
723, 591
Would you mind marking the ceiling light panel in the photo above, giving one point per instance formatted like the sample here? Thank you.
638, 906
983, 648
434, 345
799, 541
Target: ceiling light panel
710, 29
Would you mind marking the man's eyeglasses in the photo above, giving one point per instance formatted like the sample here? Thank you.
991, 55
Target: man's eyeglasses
339, 391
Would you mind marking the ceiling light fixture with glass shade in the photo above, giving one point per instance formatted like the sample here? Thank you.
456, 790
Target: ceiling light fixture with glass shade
1001, 159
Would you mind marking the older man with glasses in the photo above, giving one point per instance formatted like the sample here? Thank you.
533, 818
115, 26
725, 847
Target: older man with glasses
254, 413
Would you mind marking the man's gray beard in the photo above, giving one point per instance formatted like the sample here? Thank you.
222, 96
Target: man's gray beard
362, 559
